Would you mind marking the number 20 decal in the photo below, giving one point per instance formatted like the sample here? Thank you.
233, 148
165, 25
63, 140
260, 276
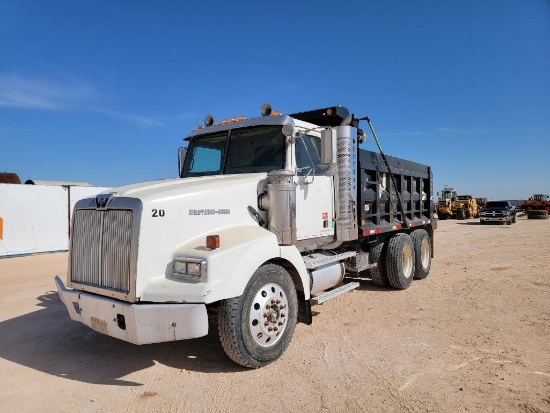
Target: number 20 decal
157, 213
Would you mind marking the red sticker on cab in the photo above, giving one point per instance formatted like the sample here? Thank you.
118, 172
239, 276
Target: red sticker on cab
325, 215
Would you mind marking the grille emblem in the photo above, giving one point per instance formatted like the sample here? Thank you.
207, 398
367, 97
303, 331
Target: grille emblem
102, 200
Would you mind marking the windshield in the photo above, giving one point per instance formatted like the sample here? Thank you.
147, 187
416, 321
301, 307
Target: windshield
497, 204
259, 149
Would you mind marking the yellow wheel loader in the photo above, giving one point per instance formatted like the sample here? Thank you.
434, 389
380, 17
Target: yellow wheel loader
451, 205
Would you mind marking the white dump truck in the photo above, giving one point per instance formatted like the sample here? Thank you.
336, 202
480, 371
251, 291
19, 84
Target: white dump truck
270, 215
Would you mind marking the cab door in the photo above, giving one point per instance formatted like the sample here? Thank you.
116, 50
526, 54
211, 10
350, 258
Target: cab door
314, 192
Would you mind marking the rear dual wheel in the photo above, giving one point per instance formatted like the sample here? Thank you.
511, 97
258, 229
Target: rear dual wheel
401, 258
400, 261
423, 253
378, 257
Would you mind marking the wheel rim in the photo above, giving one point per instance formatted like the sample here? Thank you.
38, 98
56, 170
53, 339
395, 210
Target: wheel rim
425, 253
407, 261
268, 314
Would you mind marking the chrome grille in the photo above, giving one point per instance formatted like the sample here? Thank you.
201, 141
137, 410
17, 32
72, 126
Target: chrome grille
101, 248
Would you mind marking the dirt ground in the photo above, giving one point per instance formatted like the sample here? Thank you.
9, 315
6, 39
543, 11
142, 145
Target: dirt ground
473, 336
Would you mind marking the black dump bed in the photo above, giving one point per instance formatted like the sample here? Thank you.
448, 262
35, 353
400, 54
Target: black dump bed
379, 206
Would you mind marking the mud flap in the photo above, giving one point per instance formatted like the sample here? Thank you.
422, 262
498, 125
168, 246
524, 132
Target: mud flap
304, 310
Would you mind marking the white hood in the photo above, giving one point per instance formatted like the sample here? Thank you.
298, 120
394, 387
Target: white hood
171, 188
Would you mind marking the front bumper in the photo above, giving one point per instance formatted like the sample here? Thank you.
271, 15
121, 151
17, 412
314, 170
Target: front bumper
135, 323
495, 219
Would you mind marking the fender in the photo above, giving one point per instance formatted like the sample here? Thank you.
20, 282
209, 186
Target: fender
242, 250
291, 254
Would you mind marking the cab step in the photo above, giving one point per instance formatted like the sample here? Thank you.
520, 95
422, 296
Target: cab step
320, 299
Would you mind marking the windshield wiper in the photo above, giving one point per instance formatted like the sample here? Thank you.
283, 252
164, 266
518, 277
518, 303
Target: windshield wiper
246, 165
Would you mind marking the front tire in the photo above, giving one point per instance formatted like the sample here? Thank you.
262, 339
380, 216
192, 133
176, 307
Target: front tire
400, 261
256, 328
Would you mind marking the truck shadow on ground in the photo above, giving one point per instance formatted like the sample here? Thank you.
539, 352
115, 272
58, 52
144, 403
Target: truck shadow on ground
366, 284
480, 224
47, 340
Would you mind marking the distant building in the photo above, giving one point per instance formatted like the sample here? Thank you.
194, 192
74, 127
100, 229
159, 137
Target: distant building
9, 178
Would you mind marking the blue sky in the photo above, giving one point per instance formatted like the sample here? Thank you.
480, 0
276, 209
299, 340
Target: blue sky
104, 91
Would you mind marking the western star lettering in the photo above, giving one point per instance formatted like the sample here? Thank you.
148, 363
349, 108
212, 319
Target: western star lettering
209, 211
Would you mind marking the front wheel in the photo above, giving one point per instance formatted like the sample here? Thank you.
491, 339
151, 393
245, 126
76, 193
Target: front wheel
256, 328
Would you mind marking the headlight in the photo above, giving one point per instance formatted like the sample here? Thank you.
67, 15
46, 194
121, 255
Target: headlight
189, 267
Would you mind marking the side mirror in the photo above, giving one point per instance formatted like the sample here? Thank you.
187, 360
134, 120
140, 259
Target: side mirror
182, 152
328, 151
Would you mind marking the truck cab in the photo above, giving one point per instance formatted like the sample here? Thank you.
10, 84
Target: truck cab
268, 217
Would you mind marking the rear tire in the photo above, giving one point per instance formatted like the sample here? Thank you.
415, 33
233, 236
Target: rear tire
246, 324
422, 253
461, 214
400, 261
537, 214
378, 273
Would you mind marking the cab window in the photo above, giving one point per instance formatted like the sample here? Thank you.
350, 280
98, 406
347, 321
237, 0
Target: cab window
308, 149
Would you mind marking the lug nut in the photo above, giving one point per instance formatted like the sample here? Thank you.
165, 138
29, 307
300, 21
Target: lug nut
273, 301
266, 324
265, 315
267, 306
270, 329
275, 329
278, 301
282, 315
281, 306
280, 323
